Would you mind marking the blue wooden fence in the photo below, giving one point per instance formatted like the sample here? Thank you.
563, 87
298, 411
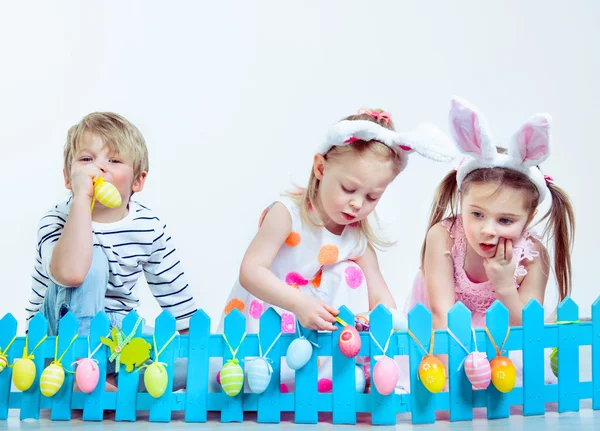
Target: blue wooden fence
306, 402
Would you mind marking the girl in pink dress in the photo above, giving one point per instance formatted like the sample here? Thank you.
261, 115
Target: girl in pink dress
478, 247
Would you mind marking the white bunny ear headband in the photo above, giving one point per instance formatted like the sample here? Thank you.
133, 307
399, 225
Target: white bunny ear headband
426, 139
527, 148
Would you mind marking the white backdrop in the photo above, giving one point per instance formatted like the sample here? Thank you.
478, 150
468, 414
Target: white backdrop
233, 98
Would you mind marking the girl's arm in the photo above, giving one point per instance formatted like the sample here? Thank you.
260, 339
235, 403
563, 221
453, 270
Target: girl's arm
257, 278
377, 288
439, 275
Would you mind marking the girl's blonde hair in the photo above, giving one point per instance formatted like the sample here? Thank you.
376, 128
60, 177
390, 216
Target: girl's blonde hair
307, 198
560, 216
118, 134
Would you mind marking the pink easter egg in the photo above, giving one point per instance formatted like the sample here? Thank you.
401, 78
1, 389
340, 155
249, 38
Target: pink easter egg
478, 370
87, 375
349, 342
324, 386
219, 377
385, 375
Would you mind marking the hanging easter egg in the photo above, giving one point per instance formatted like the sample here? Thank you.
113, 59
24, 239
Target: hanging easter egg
504, 374
23, 373
385, 375
349, 342
3, 363
298, 353
232, 378
432, 374
87, 375
107, 194
156, 379
554, 361
478, 370
51, 380
361, 381
259, 375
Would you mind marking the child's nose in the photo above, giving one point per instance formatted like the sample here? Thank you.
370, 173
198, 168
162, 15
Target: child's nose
356, 203
489, 229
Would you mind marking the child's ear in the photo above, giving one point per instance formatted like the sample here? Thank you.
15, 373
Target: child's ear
319, 166
138, 183
67, 180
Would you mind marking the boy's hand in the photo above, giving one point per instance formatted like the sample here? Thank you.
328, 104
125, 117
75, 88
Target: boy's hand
500, 268
81, 180
314, 314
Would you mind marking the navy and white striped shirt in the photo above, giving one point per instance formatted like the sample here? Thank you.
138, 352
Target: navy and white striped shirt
138, 244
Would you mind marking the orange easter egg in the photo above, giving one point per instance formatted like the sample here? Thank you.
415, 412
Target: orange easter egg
504, 374
432, 374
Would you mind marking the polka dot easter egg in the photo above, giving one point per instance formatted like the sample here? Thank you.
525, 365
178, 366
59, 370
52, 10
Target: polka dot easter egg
504, 374
349, 341
432, 374
52, 380
478, 370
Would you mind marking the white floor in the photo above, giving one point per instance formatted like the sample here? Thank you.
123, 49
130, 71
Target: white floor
586, 419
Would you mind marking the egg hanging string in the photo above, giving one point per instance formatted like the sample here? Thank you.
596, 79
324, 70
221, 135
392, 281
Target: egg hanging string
500, 350
158, 352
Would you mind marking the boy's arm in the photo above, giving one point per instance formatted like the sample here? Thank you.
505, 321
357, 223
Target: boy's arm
167, 280
72, 255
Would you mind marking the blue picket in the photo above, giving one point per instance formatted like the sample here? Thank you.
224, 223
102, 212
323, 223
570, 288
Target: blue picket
8, 330
164, 329
498, 404
596, 355
30, 399
93, 406
533, 356
61, 401
269, 405
568, 356
128, 381
305, 394
461, 392
422, 402
235, 328
196, 400
343, 377
306, 403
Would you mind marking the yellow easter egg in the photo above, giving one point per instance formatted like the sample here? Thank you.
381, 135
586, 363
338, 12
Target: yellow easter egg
51, 380
3, 363
432, 374
23, 373
504, 374
156, 379
107, 194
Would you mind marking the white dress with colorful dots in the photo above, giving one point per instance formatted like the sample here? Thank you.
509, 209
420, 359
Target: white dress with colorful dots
314, 261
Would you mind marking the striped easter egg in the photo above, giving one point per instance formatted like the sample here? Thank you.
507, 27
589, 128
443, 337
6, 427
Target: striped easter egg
23, 373
3, 363
232, 378
554, 361
259, 375
52, 380
107, 194
478, 370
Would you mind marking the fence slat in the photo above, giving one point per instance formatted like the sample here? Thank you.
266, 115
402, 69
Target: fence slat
8, 330
498, 405
30, 399
269, 405
461, 392
533, 356
164, 329
128, 381
568, 357
343, 377
196, 397
61, 401
93, 407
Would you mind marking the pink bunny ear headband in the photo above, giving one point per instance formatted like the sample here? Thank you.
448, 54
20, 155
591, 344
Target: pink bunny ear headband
426, 139
527, 148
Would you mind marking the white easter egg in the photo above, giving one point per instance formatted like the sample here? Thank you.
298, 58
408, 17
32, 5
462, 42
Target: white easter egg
361, 381
259, 375
298, 353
